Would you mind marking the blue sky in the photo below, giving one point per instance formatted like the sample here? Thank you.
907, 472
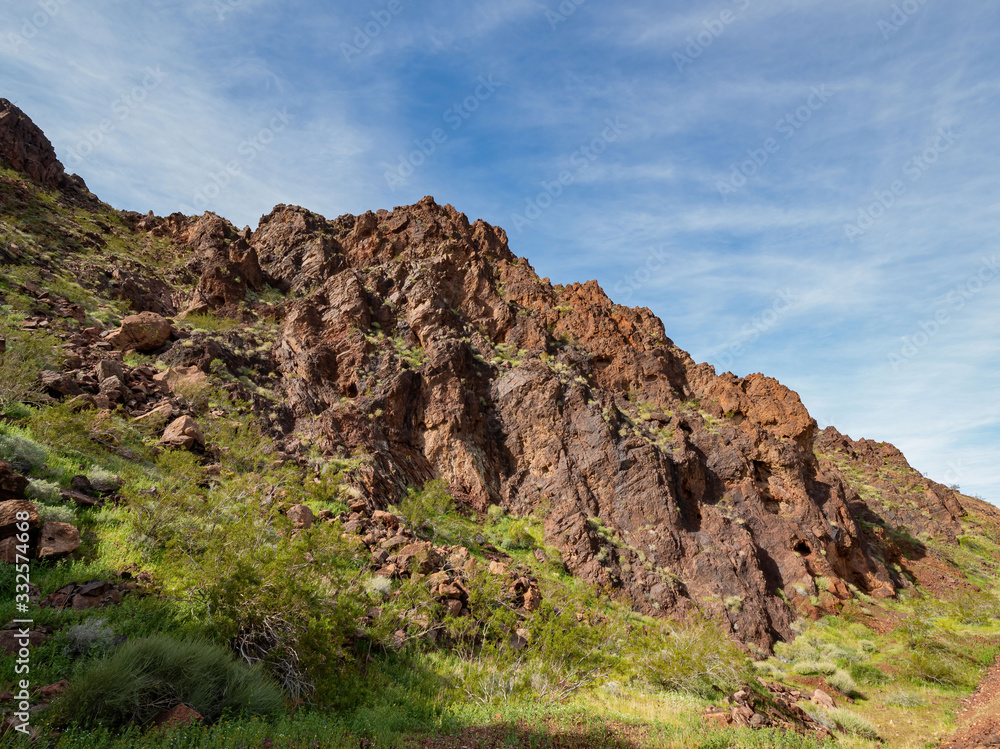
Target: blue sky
802, 188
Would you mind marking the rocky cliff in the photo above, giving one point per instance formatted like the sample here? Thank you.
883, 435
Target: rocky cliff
420, 340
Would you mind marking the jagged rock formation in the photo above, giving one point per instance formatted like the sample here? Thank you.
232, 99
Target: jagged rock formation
420, 339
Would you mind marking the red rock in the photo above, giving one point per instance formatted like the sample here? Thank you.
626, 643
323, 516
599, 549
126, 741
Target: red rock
10, 510
58, 540
180, 715
52, 690
146, 331
301, 516
12, 484
183, 433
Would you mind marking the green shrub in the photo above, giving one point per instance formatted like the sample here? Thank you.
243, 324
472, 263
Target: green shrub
853, 724
56, 514
27, 354
91, 637
147, 676
905, 699
696, 659
866, 674
842, 682
15, 448
43, 491
810, 668
517, 536
421, 506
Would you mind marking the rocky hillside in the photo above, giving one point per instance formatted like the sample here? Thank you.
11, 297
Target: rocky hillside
419, 344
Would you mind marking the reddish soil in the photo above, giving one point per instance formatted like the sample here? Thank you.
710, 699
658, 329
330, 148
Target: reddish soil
979, 717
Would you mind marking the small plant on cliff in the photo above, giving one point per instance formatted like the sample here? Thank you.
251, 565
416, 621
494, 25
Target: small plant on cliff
421, 507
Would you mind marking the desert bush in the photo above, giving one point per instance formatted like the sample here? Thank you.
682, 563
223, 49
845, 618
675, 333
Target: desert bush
810, 668
91, 637
867, 674
905, 699
144, 677
56, 514
516, 536
43, 491
842, 682
16, 448
421, 507
853, 724
695, 658
27, 354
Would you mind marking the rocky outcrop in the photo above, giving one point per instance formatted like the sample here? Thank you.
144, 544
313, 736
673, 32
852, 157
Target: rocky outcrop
418, 339
25, 148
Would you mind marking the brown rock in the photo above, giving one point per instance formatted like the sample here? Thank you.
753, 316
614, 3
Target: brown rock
183, 381
453, 607
58, 540
107, 368
498, 568
386, 518
183, 433
11, 640
180, 715
12, 484
9, 512
822, 699
52, 690
301, 516
146, 331
532, 599
418, 557
163, 412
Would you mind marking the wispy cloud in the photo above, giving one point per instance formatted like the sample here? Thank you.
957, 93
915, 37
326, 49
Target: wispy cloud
720, 259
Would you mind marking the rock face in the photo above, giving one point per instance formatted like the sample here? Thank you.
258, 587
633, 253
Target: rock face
417, 339
25, 148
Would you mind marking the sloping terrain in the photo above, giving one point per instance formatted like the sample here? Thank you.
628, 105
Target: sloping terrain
373, 356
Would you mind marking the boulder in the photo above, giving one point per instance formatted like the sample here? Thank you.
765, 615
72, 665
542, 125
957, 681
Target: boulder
822, 699
107, 368
418, 557
301, 516
146, 331
58, 540
183, 380
180, 715
183, 433
8, 516
12, 484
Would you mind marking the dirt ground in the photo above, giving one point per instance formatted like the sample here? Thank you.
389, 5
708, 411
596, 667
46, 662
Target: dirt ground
979, 716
